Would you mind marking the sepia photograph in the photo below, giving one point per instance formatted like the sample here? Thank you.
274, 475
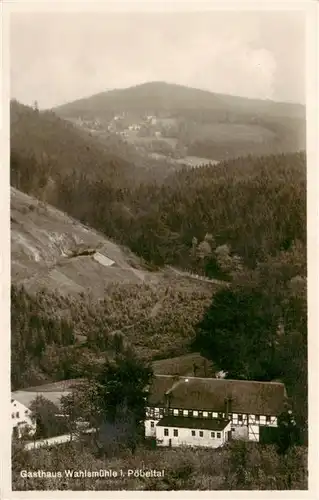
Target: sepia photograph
158, 225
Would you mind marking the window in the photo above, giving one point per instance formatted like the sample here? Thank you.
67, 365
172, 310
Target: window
17, 414
195, 413
185, 413
152, 424
152, 412
201, 434
240, 418
180, 413
205, 414
219, 435
165, 432
268, 419
26, 412
200, 414
193, 433
175, 432
220, 415
12, 415
175, 412
212, 434
257, 418
210, 415
170, 411
190, 413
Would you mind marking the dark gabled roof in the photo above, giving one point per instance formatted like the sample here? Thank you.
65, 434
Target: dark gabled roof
261, 398
27, 397
53, 391
210, 424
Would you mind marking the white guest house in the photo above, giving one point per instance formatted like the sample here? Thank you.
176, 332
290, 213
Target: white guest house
208, 412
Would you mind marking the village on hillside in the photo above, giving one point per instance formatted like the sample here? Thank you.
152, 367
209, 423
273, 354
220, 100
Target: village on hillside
155, 136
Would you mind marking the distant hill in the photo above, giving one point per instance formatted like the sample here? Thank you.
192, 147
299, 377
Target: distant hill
204, 124
159, 96
51, 250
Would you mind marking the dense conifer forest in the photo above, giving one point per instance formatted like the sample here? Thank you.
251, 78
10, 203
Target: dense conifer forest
242, 221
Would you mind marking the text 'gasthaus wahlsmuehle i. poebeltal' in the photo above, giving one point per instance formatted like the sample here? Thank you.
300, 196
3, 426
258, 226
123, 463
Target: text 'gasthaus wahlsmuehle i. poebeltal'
101, 473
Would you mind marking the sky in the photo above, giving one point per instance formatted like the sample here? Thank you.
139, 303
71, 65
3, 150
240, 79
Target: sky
59, 57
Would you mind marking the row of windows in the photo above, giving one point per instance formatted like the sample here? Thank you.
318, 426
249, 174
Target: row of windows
200, 433
184, 413
17, 414
199, 414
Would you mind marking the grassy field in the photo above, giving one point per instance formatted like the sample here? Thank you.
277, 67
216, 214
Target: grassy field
233, 131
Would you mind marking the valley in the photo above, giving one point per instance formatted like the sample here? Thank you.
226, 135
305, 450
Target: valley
159, 230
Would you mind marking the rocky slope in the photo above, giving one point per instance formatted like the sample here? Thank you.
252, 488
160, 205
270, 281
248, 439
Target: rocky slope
50, 249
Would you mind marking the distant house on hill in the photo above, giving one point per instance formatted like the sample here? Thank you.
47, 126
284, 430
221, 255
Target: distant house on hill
208, 412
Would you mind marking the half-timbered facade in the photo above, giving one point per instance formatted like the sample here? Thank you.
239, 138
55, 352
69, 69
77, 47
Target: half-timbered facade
240, 406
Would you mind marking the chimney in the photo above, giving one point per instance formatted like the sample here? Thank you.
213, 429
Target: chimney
228, 406
168, 400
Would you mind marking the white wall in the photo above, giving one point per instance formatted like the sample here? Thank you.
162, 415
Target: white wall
246, 428
65, 438
253, 432
21, 418
149, 430
185, 437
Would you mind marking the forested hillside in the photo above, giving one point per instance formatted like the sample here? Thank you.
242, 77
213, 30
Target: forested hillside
256, 206
50, 148
55, 337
